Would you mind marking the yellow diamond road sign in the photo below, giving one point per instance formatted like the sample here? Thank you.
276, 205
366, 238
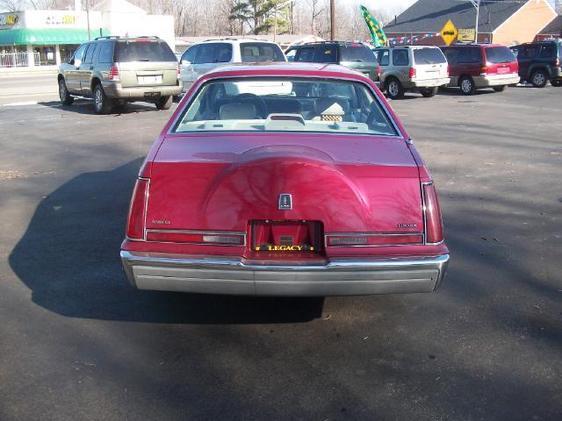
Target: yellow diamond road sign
449, 33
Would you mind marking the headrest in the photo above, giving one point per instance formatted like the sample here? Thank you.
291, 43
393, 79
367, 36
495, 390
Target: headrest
238, 111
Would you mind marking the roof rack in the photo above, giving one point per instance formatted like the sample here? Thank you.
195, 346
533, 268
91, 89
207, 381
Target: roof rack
234, 39
121, 37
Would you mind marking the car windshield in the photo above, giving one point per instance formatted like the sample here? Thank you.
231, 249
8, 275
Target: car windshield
356, 52
143, 50
499, 55
285, 104
260, 51
429, 56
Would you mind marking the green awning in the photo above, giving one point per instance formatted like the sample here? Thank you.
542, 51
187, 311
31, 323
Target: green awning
47, 36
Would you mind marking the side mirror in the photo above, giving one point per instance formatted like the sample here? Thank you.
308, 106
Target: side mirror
76, 62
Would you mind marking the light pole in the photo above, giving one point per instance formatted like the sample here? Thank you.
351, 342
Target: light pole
88, 18
332, 20
476, 4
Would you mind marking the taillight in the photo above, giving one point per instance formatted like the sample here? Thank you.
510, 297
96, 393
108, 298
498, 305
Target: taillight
137, 212
219, 238
557, 63
178, 71
371, 240
379, 70
113, 73
484, 70
412, 72
432, 215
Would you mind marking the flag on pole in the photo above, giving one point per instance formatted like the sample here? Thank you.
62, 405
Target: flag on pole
378, 36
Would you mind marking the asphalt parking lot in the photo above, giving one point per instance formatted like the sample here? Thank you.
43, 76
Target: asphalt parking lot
76, 342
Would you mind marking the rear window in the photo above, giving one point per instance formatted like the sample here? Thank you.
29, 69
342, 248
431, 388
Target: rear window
463, 55
499, 55
548, 51
144, 50
429, 56
260, 51
285, 104
356, 52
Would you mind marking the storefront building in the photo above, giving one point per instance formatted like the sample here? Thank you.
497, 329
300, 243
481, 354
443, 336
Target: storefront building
48, 37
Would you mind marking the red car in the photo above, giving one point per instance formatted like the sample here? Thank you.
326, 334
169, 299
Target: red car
293, 179
477, 66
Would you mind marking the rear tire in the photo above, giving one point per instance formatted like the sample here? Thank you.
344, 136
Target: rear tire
466, 83
500, 88
102, 104
539, 78
394, 88
64, 95
165, 102
556, 82
428, 92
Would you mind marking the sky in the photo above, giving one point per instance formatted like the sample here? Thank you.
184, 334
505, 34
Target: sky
386, 4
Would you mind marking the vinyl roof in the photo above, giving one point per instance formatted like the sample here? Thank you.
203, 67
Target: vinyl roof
431, 15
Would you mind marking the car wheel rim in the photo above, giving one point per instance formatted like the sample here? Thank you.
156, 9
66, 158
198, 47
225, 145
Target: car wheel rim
538, 79
98, 100
393, 88
466, 85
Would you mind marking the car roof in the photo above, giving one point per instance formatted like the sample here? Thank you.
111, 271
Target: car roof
283, 68
339, 43
413, 47
475, 45
235, 40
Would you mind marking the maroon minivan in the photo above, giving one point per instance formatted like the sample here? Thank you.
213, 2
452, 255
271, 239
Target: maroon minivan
476, 66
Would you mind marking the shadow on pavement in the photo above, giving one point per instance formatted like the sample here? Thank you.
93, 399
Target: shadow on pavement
85, 106
69, 258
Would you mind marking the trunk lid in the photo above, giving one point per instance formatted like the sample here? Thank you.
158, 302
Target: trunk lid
145, 62
500, 60
346, 183
430, 63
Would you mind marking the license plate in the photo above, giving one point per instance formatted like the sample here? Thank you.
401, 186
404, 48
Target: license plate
503, 70
149, 80
287, 236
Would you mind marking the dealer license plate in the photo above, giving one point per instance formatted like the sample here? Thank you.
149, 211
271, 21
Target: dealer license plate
287, 236
503, 70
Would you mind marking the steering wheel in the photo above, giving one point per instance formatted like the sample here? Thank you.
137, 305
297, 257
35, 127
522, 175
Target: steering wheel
261, 107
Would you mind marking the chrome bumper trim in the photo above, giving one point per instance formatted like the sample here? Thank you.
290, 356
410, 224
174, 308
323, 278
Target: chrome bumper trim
216, 275
496, 80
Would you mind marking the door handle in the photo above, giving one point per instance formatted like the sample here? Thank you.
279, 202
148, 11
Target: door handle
91, 67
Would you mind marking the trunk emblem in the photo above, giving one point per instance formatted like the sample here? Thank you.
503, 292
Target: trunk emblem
285, 201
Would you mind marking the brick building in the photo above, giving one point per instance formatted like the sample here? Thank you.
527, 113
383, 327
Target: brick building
502, 22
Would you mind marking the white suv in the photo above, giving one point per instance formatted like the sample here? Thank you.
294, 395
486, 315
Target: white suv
202, 57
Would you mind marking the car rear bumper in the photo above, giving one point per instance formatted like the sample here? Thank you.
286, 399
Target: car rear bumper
496, 80
217, 275
431, 83
114, 90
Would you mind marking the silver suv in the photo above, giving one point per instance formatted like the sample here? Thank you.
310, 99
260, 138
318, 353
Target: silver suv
205, 56
115, 70
421, 68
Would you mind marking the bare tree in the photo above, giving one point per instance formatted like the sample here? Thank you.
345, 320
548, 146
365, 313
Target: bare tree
11, 5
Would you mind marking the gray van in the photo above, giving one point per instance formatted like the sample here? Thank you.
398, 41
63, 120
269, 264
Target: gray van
353, 55
115, 70
203, 57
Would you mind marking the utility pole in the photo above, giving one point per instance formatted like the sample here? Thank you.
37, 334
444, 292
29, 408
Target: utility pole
88, 18
332, 20
476, 4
